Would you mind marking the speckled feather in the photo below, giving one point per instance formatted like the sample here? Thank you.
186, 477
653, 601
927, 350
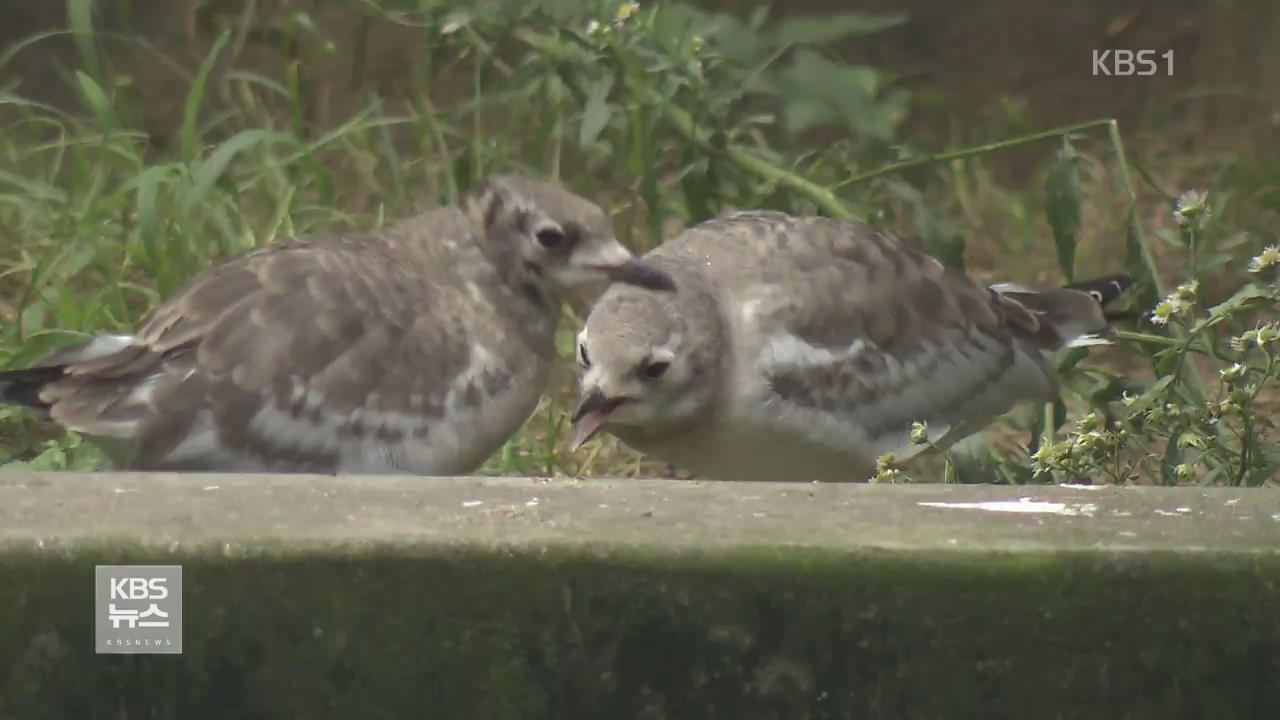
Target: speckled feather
420, 349
810, 345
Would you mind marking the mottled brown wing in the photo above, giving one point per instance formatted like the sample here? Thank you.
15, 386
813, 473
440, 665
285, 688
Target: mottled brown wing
117, 389
854, 335
314, 331
314, 334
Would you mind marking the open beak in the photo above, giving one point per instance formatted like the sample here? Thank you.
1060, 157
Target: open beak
591, 415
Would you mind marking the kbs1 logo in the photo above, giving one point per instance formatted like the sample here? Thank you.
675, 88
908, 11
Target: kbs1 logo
1125, 63
138, 608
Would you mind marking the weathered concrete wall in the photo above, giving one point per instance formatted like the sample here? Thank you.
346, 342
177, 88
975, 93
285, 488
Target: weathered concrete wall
406, 598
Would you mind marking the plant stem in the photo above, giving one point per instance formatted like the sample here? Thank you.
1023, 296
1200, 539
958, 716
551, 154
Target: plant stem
683, 121
974, 151
1147, 338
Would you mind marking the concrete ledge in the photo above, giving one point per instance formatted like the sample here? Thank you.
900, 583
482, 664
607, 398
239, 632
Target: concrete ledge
317, 597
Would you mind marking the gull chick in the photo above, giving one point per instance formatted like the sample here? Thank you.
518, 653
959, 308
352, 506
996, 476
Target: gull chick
803, 348
419, 349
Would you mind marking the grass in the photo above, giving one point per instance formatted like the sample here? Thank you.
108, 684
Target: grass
670, 116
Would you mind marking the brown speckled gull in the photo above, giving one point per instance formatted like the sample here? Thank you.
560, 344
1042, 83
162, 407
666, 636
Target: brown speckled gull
803, 348
420, 348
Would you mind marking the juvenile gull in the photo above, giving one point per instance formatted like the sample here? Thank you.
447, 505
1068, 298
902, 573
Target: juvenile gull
804, 348
419, 349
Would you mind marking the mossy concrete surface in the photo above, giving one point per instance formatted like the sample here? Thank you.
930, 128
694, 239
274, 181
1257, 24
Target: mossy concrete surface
354, 597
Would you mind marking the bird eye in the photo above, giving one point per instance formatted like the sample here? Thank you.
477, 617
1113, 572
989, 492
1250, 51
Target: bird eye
550, 237
655, 370
583, 358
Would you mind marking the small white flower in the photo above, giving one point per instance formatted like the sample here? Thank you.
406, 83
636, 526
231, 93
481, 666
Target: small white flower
1270, 256
1176, 305
1232, 373
625, 11
1171, 308
1192, 207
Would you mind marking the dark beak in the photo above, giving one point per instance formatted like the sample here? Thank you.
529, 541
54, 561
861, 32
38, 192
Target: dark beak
591, 415
638, 273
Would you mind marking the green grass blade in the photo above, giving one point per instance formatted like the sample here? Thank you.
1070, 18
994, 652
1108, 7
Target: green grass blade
596, 114
148, 219
34, 188
80, 18
1063, 206
7, 56
195, 97
258, 80
825, 28
97, 101
206, 175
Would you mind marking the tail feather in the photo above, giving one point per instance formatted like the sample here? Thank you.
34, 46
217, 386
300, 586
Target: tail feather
41, 387
23, 387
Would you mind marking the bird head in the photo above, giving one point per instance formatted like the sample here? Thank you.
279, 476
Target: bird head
643, 364
554, 237
1074, 315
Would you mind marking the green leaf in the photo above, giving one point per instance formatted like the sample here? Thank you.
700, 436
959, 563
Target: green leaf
88, 456
1059, 414
1113, 389
1266, 461
1225, 309
738, 41
53, 458
818, 92
1064, 207
257, 80
1166, 362
825, 28
1211, 478
1240, 299
1070, 359
1234, 241
595, 116
1036, 428
148, 219
209, 171
1170, 238
1154, 394
97, 101
1172, 458
1215, 261
803, 114
80, 18
34, 188
195, 97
